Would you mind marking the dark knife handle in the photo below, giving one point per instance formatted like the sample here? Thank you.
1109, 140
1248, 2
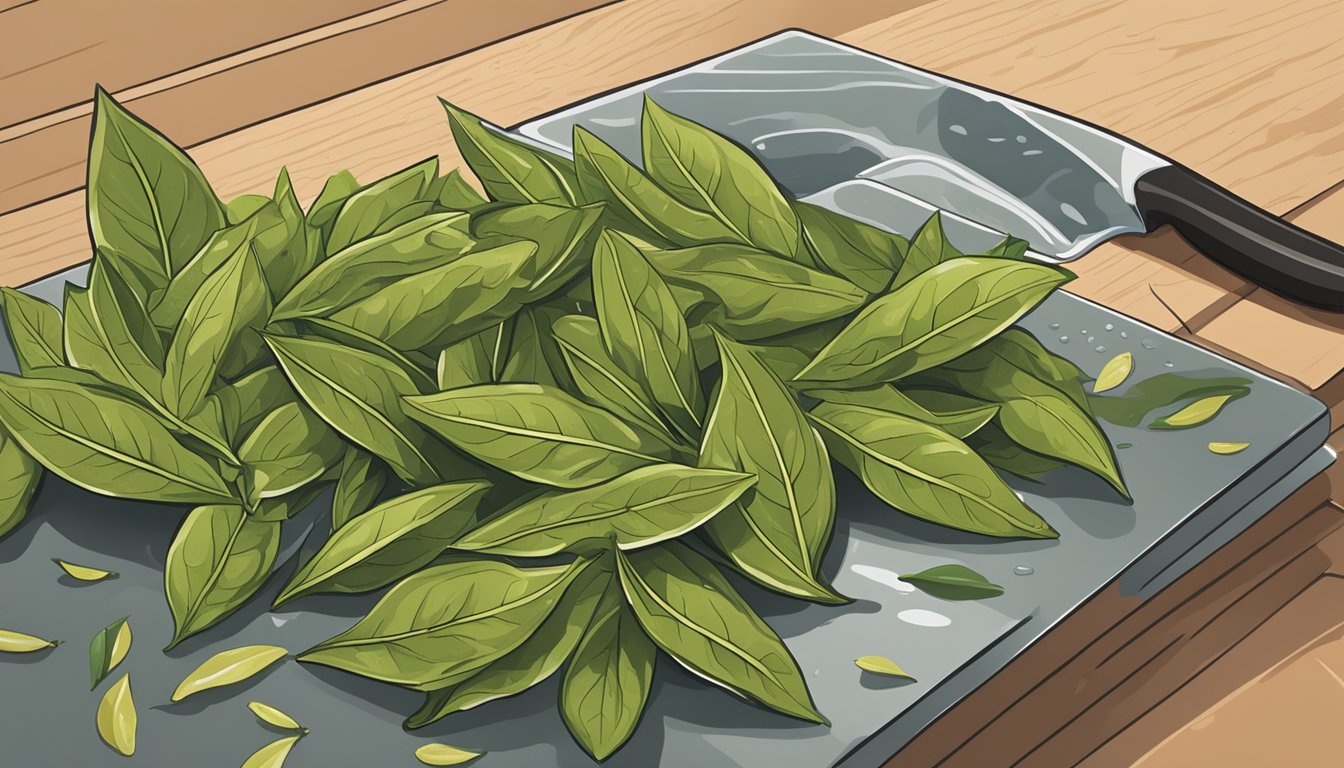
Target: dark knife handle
1248, 240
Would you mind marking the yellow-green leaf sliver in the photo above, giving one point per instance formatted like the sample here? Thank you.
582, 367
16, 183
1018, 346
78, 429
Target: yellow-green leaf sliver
108, 649
272, 716
18, 642
85, 572
1193, 414
1114, 373
881, 665
272, 755
116, 717
443, 754
228, 667
1227, 449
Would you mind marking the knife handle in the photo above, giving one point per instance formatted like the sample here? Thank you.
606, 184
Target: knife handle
1242, 237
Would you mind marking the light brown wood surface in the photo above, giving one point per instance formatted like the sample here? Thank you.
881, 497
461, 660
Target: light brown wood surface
1249, 94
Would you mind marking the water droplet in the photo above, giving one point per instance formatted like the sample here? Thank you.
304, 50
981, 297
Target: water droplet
1110, 326
1021, 139
1063, 339
1054, 326
1148, 344
1090, 339
922, 618
1101, 347
1084, 331
1124, 334
1169, 364
816, 673
760, 145
1023, 570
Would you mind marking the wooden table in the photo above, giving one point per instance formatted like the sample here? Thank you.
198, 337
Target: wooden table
1239, 663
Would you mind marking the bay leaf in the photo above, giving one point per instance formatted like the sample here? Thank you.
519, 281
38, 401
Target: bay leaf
606, 684
274, 717
779, 532
84, 572
227, 668
644, 332
881, 665
371, 209
389, 541
272, 755
361, 481
446, 621
108, 649
34, 329
925, 472
322, 212
600, 379
509, 169
1193, 414
366, 266
20, 477
296, 251
928, 248
444, 754
540, 434
993, 445
116, 718
20, 642
953, 582
289, 448
564, 238
959, 417
533, 356
939, 315
245, 402
1009, 248
477, 359
605, 176
219, 558
455, 194
414, 364
124, 347
359, 394
691, 612
637, 509
708, 172
104, 443
147, 201
241, 207
752, 294
862, 254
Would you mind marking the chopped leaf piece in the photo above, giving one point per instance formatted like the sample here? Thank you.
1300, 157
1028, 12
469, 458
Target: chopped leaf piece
1227, 449
953, 582
272, 755
881, 665
443, 754
84, 572
116, 718
272, 716
228, 667
1193, 414
18, 642
1114, 373
107, 649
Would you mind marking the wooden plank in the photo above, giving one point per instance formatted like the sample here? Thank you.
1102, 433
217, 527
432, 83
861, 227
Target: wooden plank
44, 157
1103, 658
1210, 74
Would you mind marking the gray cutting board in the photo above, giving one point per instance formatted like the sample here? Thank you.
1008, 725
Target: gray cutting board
1187, 502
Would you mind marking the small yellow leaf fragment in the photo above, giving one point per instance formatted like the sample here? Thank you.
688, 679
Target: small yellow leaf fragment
121, 645
881, 665
1193, 414
84, 572
116, 717
1114, 373
18, 642
228, 667
272, 755
272, 716
442, 754
1227, 449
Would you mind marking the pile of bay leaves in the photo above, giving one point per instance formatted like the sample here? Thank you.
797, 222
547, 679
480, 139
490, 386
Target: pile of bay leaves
554, 415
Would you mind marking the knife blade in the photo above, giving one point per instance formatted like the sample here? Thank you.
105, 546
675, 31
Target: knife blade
893, 143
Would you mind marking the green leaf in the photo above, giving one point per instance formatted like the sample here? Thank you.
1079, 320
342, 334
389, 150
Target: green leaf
606, 685
779, 532
1009, 248
925, 472
533, 356
110, 334
245, 402
456, 194
710, 173
359, 395
446, 622
691, 611
1193, 414
34, 328
413, 364
509, 169
1039, 415
637, 509
959, 417
645, 334
231, 306
605, 176
995, 447
108, 649
564, 238
1025, 352
219, 558
864, 255
937, 316
477, 359
881, 665
365, 267
103, 442
928, 248
19, 479
536, 659
599, 379
291, 255
241, 207
289, 448
540, 434
953, 582
147, 201
361, 481
383, 205
388, 542
322, 213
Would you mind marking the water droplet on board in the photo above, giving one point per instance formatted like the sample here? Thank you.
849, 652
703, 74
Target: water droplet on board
1054, 326
1063, 339
922, 618
760, 145
1101, 348
1169, 364
816, 673
1084, 331
1090, 339
1124, 334
1023, 570
1148, 344
1110, 326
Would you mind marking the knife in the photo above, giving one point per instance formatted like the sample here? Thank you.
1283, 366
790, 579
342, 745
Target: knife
893, 143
